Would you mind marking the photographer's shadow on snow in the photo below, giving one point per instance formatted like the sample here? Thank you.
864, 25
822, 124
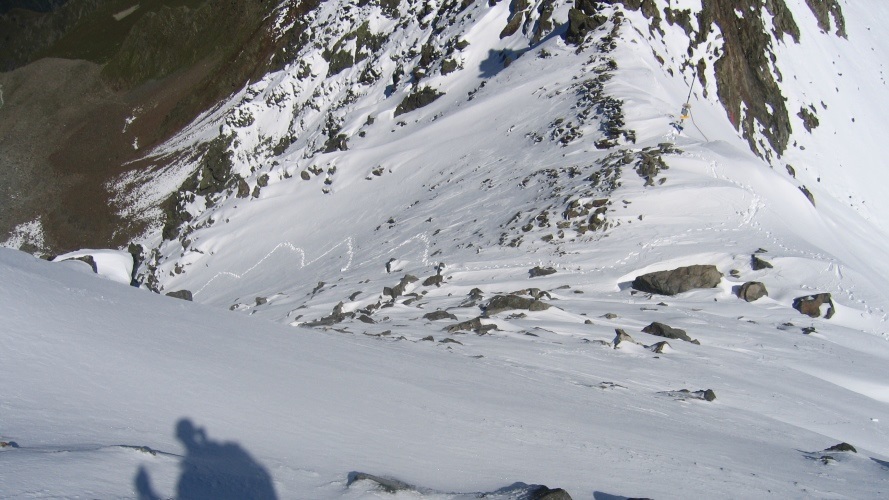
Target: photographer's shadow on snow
211, 469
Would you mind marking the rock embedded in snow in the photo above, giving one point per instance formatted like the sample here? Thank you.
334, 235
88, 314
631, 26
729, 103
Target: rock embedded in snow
433, 280
758, 264
181, 294
752, 290
662, 330
842, 447
810, 305
678, 280
621, 336
439, 315
541, 271
502, 303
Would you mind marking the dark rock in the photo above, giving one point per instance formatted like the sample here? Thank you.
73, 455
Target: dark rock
580, 24
662, 330
808, 194
428, 338
810, 305
261, 300
366, 319
305, 175
540, 492
758, 264
450, 341
609, 316
541, 271
439, 315
180, 294
475, 294
436, 280
683, 394
417, 100
842, 447
398, 290
502, 303
752, 290
678, 280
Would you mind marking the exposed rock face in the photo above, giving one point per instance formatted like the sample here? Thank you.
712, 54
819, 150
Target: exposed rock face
752, 290
502, 303
662, 330
417, 100
678, 280
620, 337
810, 305
180, 294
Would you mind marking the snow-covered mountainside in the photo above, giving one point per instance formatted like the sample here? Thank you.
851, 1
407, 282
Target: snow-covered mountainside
445, 212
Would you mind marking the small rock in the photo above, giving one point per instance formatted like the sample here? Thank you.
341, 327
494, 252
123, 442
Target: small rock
261, 300
758, 264
428, 338
610, 316
366, 319
660, 347
502, 303
433, 280
622, 336
449, 341
842, 447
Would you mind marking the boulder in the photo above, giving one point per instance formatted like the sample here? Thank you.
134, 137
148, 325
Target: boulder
662, 330
541, 271
439, 315
502, 303
180, 294
752, 290
678, 280
842, 447
810, 305
433, 280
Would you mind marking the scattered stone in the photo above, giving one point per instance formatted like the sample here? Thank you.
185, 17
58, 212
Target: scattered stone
809, 330
734, 273
502, 303
752, 290
610, 316
808, 194
541, 271
261, 300
428, 338
810, 305
662, 330
439, 315
758, 264
180, 294
678, 280
366, 319
540, 492
475, 294
588, 322
399, 289
243, 189
335, 317
449, 341
842, 447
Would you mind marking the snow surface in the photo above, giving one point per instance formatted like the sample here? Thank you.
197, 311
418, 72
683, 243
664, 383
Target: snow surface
542, 399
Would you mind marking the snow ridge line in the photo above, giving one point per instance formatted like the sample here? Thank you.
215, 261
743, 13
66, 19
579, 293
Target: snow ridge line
287, 245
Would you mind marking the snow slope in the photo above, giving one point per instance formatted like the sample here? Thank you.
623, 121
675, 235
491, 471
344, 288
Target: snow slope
91, 365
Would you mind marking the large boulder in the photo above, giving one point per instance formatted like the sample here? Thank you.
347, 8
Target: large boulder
678, 280
810, 305
752, 290
180, 294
